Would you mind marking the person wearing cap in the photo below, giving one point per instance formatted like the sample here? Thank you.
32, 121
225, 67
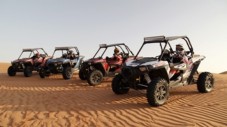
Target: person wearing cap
116, 60
180, 49
71, 54
116, 55
180, 55
179, 63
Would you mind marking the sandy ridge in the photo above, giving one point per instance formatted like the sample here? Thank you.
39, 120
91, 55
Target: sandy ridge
56, 102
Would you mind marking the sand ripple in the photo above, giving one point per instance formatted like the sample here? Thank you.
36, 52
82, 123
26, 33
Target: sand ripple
54, 102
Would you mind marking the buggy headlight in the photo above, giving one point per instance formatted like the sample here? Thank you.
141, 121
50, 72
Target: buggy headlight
142, 69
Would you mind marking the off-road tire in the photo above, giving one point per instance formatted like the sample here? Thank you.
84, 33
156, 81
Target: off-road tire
82, 74
205, 82
28, 71
11, 71
42, 73
67, 72
118, 87
157, 92
94, 77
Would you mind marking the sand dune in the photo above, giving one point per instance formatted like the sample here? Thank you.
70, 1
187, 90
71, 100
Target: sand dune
225, 72
55, 102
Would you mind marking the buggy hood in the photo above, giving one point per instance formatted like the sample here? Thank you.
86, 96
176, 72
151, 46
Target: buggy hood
145, 61
95, 60
22, 60
60, 60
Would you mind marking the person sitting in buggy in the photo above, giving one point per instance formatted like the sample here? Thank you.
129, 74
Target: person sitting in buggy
115, 61
179, 62
71, 55
36, 56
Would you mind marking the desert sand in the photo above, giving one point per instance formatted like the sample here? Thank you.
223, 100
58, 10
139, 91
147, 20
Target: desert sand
54, 102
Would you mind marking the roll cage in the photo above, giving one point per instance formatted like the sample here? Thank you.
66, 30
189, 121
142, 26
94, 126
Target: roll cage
119, 45
66, 49
32, 51
166, 41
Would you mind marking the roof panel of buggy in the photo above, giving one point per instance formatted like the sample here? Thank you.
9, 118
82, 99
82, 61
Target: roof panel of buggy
65, 48
110, 45
31, 49
159, 39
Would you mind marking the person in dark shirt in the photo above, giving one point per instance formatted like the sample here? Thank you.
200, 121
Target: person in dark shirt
71, 54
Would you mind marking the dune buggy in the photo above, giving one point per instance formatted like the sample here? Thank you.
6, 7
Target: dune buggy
65, 60
159, 70
95, 68
31, 59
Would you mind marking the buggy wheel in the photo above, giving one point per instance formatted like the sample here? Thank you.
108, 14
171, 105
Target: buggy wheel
157, 92
95, 77
67, 72
28, 71
82, 74
42, 73
205, 82
11, 71
118, 87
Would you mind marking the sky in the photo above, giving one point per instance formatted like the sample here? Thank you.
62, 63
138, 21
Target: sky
88, 23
